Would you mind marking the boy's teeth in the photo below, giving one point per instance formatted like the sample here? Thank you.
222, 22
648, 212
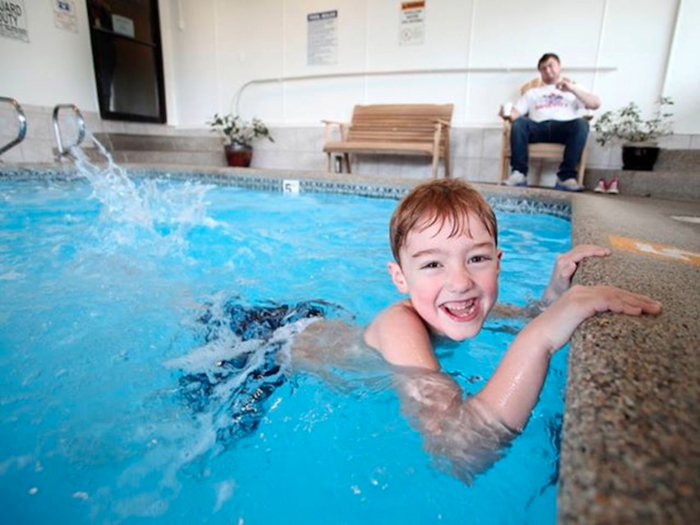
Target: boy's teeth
461, 309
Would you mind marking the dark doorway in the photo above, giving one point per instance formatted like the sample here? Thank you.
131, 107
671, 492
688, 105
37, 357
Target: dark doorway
128, 58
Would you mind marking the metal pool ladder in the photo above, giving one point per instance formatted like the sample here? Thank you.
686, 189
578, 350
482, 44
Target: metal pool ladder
61, 150
21, 131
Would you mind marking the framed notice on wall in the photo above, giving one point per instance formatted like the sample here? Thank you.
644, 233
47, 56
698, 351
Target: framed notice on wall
322, 38
64, 16
412, 23
13, 20
123, 25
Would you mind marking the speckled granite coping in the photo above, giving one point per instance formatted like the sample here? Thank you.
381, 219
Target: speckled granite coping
631, 438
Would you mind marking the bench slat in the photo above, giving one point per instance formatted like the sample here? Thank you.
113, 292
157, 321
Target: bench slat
398, 110
379, 147
396, 136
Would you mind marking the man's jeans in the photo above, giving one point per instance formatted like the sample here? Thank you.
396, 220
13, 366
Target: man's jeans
571, 133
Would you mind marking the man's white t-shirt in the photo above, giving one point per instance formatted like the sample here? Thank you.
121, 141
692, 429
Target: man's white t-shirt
549, 103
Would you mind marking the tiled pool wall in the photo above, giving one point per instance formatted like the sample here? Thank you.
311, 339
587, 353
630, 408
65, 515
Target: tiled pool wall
559, 207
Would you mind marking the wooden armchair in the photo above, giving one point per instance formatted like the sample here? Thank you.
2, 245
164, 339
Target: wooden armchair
538, 150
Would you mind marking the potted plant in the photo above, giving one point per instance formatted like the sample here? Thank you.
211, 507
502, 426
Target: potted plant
638, 136
239, 136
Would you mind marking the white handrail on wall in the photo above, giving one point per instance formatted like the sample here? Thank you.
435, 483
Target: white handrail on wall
239, 92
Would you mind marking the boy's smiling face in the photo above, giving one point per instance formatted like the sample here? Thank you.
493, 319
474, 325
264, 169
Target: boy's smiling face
452, 280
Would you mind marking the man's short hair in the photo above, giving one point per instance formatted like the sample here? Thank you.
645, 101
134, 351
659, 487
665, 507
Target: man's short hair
437, 202
546, 57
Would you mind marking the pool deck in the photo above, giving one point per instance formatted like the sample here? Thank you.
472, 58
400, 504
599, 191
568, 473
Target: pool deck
631, 441
631, 437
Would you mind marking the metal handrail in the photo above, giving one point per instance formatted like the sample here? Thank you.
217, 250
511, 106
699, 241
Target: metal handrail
62, 152
22, 130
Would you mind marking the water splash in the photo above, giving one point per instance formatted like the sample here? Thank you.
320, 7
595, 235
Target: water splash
133, 214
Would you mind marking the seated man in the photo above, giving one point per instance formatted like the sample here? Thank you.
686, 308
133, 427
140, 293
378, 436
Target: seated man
550, 113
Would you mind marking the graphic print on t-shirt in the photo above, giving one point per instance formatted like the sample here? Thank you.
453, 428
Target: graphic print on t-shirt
550, 100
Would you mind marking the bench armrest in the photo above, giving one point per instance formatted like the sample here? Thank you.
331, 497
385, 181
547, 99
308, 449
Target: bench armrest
329, 128
507, 123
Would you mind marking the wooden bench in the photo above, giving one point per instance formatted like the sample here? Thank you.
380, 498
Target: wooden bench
394, 129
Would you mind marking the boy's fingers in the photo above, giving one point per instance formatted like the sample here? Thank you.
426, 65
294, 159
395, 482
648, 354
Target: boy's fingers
583, 251
642, 302
569, 269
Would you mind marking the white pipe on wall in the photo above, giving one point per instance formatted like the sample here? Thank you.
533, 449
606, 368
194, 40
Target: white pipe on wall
467, 70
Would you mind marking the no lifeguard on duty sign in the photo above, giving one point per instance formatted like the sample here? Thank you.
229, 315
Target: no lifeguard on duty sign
13, 20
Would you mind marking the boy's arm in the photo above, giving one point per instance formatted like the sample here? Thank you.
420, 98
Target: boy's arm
512, 391
464, 437
471, 433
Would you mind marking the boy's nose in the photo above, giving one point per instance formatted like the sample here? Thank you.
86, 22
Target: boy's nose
460, 280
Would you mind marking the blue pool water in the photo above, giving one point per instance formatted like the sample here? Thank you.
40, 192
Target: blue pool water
103, 306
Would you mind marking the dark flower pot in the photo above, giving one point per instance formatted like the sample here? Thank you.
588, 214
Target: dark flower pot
238, 156
639, 158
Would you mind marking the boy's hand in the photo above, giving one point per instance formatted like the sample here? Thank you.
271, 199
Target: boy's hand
560, 320
565, 268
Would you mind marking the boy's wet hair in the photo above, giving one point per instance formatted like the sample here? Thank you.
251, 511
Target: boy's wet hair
546, 57
437, 202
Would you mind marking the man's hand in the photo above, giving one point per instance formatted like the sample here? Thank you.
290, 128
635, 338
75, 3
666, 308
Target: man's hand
590, 101
565, 85
565, 268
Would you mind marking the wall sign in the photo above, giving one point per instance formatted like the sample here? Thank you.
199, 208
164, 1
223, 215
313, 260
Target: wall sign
322, 38
13, 20
123, 25
64, 16
412, 23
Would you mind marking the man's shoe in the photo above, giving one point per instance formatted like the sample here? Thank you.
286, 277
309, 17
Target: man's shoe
516, 179
614, 186
568, 185
602, 187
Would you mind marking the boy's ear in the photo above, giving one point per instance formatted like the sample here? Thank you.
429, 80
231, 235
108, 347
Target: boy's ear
397, 277
499, 254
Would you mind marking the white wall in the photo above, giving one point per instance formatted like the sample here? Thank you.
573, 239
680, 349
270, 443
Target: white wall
55, 66
683, 78
267, 39
212, 47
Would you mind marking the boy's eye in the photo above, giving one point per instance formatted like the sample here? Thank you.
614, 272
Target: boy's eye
479, 258
430, 265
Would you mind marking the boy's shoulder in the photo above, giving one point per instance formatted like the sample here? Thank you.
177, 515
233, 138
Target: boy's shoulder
402, 337
394, 317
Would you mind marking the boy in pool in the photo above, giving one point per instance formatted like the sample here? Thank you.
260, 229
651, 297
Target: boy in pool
444, 238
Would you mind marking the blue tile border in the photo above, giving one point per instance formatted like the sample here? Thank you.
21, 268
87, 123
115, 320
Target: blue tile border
559, 208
